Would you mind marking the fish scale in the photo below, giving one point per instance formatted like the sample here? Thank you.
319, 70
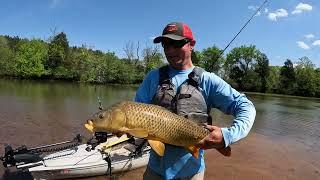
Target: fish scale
166, 125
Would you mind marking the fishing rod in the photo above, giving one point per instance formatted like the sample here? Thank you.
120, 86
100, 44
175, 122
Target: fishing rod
221, 52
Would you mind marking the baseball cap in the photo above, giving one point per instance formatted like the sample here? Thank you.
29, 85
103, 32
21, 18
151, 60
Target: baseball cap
176, 31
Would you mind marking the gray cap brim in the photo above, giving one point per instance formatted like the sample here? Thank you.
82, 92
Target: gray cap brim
170, 36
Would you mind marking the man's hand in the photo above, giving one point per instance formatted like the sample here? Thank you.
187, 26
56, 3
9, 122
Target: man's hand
213, 140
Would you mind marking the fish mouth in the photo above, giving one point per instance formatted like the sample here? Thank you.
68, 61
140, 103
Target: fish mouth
89, 125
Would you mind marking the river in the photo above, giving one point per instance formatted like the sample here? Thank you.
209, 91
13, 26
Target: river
283, 143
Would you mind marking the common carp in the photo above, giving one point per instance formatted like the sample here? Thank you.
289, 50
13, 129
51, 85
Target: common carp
152, 122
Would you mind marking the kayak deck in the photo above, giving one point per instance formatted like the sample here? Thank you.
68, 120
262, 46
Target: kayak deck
79, 162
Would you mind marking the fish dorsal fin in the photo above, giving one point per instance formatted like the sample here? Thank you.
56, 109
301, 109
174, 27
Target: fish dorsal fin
194, 151
138, 132
157, 146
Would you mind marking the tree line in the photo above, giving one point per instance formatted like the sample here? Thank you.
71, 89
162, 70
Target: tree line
245, 68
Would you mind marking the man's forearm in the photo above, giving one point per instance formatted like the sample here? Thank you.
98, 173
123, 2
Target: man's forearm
241, 125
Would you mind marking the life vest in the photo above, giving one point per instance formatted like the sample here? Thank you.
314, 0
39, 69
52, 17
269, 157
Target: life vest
186, 100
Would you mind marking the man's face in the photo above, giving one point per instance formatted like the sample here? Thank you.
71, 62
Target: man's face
178, 53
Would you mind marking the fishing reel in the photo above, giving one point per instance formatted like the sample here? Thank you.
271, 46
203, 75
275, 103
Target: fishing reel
98, 138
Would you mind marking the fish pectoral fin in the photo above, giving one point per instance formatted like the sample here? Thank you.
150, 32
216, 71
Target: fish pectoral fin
194, 151
139, 132
157, 146
225, 151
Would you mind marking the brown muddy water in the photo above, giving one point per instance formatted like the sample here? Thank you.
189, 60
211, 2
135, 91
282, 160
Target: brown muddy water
283, 143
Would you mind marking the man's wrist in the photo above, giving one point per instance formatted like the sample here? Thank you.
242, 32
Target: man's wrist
226, 136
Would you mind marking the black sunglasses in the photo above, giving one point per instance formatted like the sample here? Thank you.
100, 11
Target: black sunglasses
174, 43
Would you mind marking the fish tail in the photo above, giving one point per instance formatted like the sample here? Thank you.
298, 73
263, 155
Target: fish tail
225, 151
194, 151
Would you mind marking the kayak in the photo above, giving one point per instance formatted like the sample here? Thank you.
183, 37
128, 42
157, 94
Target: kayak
81, 161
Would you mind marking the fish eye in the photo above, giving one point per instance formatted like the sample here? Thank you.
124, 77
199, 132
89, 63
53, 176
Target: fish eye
101, 115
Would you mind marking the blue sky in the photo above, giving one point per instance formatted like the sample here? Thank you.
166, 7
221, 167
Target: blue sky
283, 29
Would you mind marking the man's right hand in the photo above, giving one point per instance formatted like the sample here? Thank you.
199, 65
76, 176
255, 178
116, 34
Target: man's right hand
213, 140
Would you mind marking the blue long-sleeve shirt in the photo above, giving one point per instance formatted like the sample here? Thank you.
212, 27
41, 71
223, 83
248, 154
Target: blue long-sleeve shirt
178, 162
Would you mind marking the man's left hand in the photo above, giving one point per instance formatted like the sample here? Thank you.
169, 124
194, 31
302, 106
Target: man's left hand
213, 140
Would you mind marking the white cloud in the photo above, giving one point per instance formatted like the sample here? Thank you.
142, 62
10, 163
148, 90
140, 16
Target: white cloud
302, 7
309, 36
316, 42
303, 45
253, 8
273, 16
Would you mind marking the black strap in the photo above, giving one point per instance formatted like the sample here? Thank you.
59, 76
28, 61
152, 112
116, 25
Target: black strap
139, 148
195, 75
163, 74
108, 159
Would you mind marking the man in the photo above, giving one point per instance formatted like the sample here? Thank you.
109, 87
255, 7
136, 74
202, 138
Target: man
191, 92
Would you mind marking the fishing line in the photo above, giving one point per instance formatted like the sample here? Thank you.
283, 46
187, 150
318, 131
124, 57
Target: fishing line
98, 94
243, 28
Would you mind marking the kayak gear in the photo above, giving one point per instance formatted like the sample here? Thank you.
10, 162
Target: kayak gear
73, 159
24, 155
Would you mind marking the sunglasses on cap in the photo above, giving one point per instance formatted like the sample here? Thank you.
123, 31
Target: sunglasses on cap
174, 43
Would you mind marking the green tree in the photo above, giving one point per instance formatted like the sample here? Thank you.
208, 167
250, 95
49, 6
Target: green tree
104, 68
196, 57
3, 41
273, 82
262, 68
317, 80
97, 67
109, 67
305, 62
13, 42
210, 59
152, 58
305, 77
58, 51
30, 57
240, 64
80, 63
125, 72
6, 58
287, 78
